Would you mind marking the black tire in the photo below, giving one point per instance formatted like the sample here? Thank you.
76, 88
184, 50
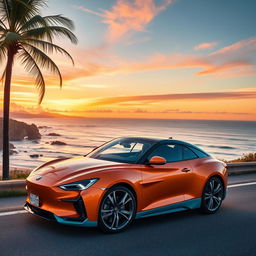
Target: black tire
212, 196
117, 210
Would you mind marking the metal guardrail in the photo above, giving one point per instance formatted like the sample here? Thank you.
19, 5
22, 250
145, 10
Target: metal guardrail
241, 168
12, 185
233, 169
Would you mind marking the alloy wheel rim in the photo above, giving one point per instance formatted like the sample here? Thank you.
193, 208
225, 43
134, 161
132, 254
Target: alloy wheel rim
117, 209
213, 195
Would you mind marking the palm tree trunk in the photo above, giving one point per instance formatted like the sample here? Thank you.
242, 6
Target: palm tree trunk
6, 110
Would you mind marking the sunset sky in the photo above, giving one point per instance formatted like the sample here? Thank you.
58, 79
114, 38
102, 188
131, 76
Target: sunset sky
192, 59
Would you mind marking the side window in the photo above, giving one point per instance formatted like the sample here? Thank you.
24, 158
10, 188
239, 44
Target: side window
200, 153
138, 147
188, 154
171, 152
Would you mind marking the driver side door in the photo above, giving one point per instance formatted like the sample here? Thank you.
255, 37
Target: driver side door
165, 184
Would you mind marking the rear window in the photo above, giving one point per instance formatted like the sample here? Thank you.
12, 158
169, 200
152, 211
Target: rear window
188, 154
200, 153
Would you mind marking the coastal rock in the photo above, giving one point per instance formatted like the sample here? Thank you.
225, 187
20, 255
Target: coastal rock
11, 146
35, 155
32, 132
19, 131
12, 151
57, 142
53, 134
43, 127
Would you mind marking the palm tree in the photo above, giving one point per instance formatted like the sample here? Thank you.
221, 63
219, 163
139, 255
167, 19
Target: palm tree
26, 35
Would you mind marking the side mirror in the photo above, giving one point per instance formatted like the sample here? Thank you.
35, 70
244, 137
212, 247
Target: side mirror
157, 160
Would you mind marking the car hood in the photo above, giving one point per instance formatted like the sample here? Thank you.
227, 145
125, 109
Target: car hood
68, 170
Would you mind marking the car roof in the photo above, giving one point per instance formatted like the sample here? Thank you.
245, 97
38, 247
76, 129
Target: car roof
159, 139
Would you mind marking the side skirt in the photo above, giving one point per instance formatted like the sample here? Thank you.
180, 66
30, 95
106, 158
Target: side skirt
85, 223
181, 206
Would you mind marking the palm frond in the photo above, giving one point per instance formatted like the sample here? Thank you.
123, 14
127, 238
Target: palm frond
2, 25
3, 77
5, 10
32, 67
24, 10
59, 20
38, 4
3, 52
35, 21
48, 47
21, 11
2, 30
2, 37
53, 20
50, 32
43, 60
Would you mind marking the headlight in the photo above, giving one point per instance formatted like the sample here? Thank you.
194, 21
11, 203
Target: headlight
79, 185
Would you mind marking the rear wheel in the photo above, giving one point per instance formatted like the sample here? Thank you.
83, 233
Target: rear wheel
212, 195
117, 210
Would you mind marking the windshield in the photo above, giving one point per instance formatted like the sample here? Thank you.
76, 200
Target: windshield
124, 150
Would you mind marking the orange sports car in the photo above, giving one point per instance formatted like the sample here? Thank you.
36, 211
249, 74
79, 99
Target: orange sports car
124, 179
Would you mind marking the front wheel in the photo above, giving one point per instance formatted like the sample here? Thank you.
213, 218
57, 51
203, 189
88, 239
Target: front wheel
212, 195
117, 210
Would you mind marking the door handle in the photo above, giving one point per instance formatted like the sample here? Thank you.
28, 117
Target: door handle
185, 170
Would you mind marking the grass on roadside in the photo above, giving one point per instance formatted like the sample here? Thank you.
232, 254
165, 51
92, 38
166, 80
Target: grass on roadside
249, 157
19, 174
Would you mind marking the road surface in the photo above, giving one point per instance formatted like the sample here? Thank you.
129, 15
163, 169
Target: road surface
231, 231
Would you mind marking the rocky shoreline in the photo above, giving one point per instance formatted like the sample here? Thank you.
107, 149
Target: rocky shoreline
21, 130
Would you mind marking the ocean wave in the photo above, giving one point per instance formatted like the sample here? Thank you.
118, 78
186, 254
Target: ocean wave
214, 146
221, 147
236, 139
224, 154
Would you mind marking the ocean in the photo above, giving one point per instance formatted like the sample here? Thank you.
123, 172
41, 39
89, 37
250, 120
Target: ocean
223, 139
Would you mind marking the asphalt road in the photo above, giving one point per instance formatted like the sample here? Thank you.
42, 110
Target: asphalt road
231, 231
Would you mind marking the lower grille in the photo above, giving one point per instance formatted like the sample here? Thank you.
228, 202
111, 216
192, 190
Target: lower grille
40, 212
79, 206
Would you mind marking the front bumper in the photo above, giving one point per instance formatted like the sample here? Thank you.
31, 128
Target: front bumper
74, 221
70, 206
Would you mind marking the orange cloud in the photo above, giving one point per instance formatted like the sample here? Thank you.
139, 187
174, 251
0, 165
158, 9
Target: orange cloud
236, 57
181, 96
131, 16
231, 61
232, 65
162, 61
128, 16
243, 47
204, 46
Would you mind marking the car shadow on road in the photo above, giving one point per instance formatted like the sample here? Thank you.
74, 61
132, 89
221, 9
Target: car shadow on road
138, 225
